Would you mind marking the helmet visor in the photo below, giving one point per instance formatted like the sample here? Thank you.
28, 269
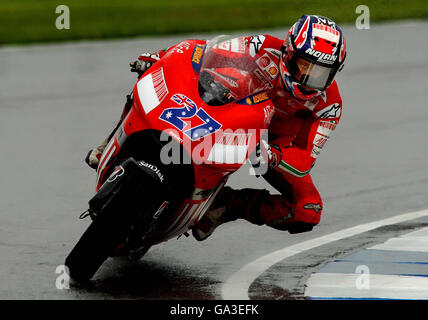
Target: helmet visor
309, 74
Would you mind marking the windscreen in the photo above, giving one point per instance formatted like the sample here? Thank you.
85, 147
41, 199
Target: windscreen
228, 73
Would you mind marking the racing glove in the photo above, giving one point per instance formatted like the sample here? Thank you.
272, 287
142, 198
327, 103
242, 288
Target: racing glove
266, 155
271, 153
144, 62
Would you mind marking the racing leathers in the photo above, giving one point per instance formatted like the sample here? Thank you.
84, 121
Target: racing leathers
300, 129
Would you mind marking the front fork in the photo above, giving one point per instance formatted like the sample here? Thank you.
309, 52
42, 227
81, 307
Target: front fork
126, 108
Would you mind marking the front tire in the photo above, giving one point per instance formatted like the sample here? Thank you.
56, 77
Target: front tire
135, 193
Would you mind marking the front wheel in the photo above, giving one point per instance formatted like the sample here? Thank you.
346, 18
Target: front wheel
91, 251
135, 193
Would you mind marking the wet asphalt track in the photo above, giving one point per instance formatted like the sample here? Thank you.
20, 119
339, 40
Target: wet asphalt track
57, 101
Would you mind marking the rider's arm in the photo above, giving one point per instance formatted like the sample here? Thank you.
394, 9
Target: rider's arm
299, 158
146, 60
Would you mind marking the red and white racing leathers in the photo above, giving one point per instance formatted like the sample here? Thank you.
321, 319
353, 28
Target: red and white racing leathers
300, 129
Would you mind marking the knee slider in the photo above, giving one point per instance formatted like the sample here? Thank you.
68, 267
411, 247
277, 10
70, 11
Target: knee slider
299, 227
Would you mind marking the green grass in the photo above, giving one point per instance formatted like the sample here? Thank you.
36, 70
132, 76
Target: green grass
23, 21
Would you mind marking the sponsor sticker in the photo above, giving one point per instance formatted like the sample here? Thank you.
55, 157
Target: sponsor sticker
179, 48
321, 56
119, 171
225, 45
320, 140
276, 53
259, 74
153, 168
268, 66
315, 152
312, 103
256, 98
237, 45
197, 55
323, 134
260, 97
273, 71
325, 128
263, 61
269, 112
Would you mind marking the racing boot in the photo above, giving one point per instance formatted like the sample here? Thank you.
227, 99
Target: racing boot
93, 157
230, 205
211, 220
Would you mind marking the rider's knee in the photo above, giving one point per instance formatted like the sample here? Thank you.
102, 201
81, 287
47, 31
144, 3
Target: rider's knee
260, 207
303, 215
306, 214
308, 210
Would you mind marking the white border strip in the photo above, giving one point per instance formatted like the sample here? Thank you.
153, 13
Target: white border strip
236, 287
382, 286
105, 158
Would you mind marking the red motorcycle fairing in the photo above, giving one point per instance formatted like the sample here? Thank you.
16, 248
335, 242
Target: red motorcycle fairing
218, 138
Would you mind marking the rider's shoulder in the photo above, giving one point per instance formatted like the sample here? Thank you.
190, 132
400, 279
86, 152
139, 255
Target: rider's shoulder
333, 93
329, 103
258, 45
273, 42
265, 41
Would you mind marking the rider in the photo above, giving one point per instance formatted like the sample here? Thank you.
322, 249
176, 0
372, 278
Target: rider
300, 74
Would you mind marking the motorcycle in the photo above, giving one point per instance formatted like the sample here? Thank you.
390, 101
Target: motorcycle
194, 119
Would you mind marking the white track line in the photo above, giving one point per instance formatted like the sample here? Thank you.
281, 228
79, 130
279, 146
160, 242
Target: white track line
236, 287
